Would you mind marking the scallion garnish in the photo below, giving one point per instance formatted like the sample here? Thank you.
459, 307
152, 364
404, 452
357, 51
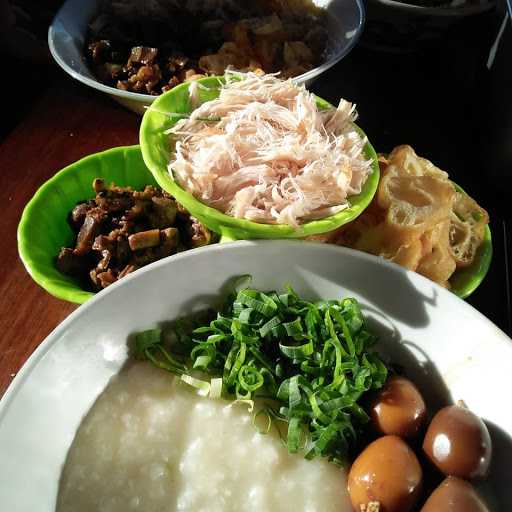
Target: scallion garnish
312, 359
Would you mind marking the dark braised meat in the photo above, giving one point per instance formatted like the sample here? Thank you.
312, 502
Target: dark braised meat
150, 47
122, 229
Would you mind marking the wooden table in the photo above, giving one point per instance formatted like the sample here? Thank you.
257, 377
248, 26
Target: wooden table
68, 122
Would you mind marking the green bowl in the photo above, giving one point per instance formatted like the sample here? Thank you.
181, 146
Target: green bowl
466, 280
156, 150
44, 229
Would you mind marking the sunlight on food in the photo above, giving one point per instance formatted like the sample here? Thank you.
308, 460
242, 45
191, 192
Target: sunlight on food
150, 444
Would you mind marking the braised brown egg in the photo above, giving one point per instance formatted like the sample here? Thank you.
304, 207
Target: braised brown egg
398, 408
386, 471
458, 443
454, 495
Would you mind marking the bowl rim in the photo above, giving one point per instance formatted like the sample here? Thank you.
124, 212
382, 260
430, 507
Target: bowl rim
252, 229
148, 99
440, 11
68, 292
482, 264
215, 248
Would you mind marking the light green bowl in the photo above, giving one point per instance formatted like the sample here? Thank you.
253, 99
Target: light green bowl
466, 280
44, 229
156, 150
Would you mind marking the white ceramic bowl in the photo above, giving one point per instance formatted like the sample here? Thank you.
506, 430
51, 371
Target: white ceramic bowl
449, 349
67, 33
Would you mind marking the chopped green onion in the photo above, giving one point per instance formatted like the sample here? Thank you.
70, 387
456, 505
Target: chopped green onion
148, 339
202, 386
297, 352
294, 434
216, 387
268, 326
255, 421
312, 359
250, 378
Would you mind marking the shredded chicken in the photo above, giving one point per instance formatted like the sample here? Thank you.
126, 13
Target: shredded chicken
263, 151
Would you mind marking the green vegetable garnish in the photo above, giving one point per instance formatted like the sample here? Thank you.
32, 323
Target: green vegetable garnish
312, 359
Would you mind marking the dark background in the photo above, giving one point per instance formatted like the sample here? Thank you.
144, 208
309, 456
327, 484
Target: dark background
440, 98
444, 101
